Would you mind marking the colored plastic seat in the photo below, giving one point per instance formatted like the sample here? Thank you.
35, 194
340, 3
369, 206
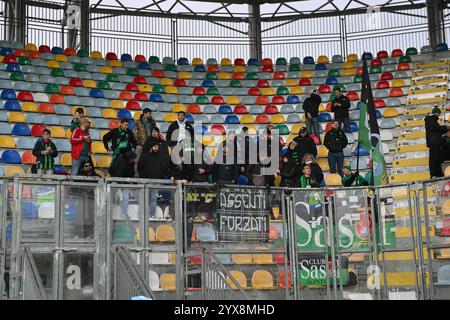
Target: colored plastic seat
225, 109
7, 142
333, 179
10, 156
262, 279
12, 105
411, 51
17, 117
8, 95
21, 129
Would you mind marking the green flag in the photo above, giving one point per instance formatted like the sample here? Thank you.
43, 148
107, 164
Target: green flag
379, 176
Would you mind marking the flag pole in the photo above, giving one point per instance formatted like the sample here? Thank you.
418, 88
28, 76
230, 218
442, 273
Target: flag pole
358, 146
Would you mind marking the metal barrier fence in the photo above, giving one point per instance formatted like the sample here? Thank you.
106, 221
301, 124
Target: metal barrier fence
197, 241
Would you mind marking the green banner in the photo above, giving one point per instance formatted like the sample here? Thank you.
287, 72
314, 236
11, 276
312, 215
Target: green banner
312, 270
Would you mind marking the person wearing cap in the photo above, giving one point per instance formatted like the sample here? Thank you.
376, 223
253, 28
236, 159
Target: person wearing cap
142, 130
305, 144
179, 130
434, 137
311, 108
75, 123
336, 141
340, 107
351, 178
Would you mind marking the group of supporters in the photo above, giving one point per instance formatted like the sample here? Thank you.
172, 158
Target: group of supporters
240, 159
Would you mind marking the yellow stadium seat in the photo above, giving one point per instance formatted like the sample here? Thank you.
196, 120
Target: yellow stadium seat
322, 152
197, 62
233, 100
291, 82
167, 282
262, 279
398, 83
76, 107
116, 104
177, 107
352, 57
137, 115
240, 278
145, 88
31, 47
296, 90
447, 171
268, 92
247, 119
29, 107
170, 117
333, 179
225, 62
278, 119
323, 163
224, 76
151, 234
172, 90
242, 258
165, 233
251, 130
16, 116
349, 72
104, 161
240, 68
61, 58
322, 107
115, 63
88, 83
208, 140
296, 128
102, 133
105, 69
184, 75
97, 147
323, 59
307, 74
96, 55
289, 139
66, 159
348, 65
390, 113
262, 258
7, 142
109, 113
58, 132
172, 258
166, 82
53, 64
12, 170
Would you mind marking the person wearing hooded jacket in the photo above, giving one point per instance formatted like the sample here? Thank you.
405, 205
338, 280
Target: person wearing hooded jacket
336, 141
340, 107
142, 130
434, 138
289, 173
305, 144
311, 108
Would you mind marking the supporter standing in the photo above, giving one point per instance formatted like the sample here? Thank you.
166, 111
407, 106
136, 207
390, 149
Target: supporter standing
121, 138
311, 108
75, 123
305, 144
340, 107
335, 141
81, 145
434, 138
45, 152
142, 130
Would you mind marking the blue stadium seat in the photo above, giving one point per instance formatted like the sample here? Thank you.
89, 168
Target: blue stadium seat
57, 50
242, 180
359, 150
21, 129
6, 52
292, 100
378, 114
126, 57
208, 84
331, 81
321, 66
156, 97
308, 60
10, 156
12, 105
183, 62
225, 109
13, 67
324, 117
200, 68
253, 62
353, 126
367, 55
29, 210
124, 114
441, 47
144, 66
96, 93
232, 119
8, 95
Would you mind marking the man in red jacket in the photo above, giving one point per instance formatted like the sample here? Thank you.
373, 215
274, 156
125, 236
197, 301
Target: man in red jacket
81, 145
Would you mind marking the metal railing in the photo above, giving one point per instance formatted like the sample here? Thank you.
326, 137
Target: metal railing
32, 287
128, 280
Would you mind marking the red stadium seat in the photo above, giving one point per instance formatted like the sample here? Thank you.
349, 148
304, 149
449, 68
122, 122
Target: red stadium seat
67, 90
125, 95
141, 96
270, 109
359, 70
111, 56
217, 100
179, 83
397, 53
304, 82
262, 119
254, 92
158, 74
20, 53
403, 66
218, 129
43, 48
140, 58
376, 62
114, 123
379, 103
382, 54
28, 158
34, 54
263, 84
140, 80
240, 109
279, 75
266, 62
213, 69
324, 89
194, 109
328, 107
76, 82
282, 279
132, 87
328, 127
199, 91
396, 92
239, 62
262, 100
133, 105
9, 59
57, 99
387, 76
352, 96
278, 100
267, 68
45, 107
25, 96
316, 139
238, 76
70, 52
37, 129
383, 84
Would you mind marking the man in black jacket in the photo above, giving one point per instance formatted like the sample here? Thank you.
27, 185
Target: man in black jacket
202, 169
123, 165
335, 141
305, 144
311, 108
121, 138
434, 133
225, 172
179, 130
340, 107
87, 169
